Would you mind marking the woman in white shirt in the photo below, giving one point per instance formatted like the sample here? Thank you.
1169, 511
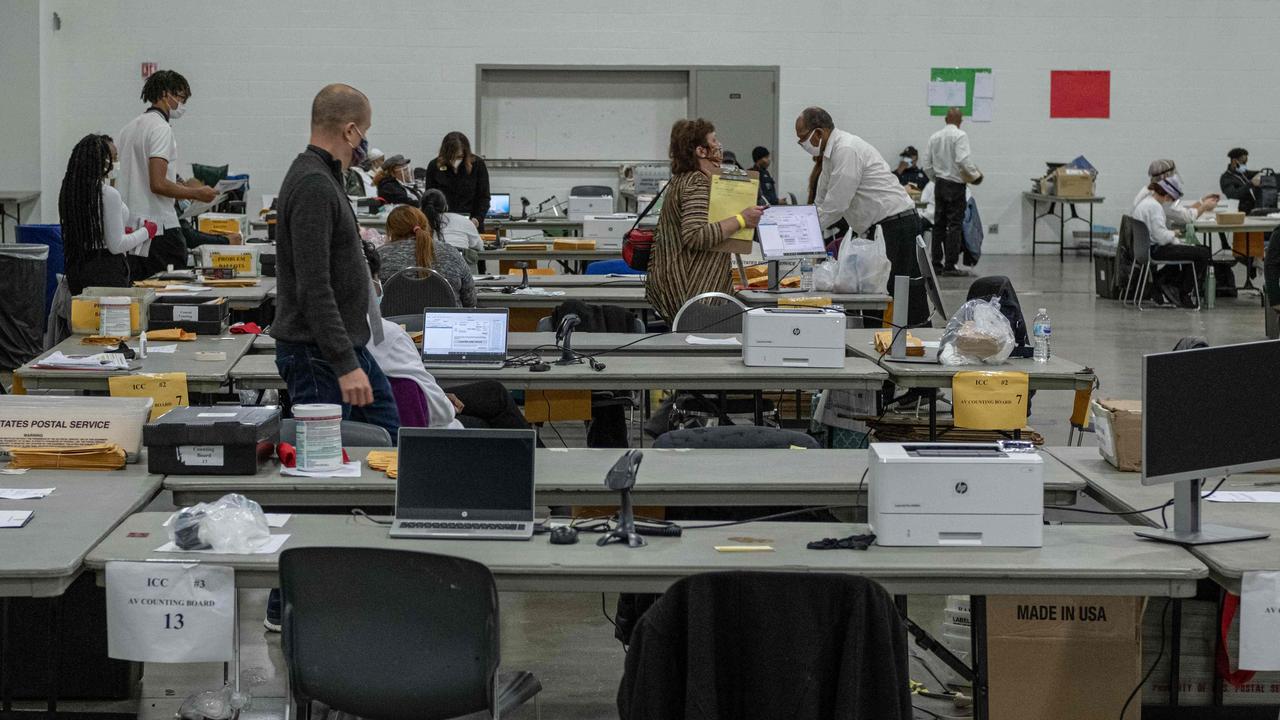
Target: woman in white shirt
1177, 215
95, 235
1174, 282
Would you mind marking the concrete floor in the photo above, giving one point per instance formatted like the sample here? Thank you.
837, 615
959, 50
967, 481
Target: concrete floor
566, 640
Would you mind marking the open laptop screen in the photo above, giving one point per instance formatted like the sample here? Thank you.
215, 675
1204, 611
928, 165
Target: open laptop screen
499, 205
464, 333
465, 474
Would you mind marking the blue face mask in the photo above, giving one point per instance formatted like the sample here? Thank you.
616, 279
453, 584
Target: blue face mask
1242, 168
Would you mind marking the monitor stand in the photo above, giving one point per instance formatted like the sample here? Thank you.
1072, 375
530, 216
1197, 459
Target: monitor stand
1187, 528
775, 279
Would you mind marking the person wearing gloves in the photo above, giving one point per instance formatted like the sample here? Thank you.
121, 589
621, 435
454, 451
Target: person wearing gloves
95, 237
395, 182
685, 261
948, 163
1174, 283
853, 187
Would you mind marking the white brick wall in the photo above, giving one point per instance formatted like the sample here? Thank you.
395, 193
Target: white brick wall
1189, 79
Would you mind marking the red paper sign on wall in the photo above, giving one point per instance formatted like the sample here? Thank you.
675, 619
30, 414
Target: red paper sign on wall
1080, 94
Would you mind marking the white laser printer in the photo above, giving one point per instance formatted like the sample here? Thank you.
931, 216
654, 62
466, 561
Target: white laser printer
580, 206
955, 494
793, 337
607, 230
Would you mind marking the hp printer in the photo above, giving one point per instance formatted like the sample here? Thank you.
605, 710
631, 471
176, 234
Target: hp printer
607, 230
955, 494
793, 337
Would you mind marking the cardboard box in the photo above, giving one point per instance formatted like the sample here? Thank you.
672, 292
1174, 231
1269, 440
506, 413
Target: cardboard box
574, 244
1072, 182
223, 224
244, 259
84, 308
1118, 426
202, 315
61, 421
1074, 657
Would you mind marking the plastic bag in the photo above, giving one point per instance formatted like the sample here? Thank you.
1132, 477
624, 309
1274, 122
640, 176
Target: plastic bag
233, 524
863, 266
824, 276
221, 704
978, 334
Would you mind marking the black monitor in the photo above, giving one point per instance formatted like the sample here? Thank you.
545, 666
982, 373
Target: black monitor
1206, 414
930, 280
474, 474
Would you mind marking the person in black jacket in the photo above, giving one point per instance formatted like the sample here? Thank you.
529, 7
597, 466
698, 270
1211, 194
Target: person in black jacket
1239, 182
395, 182
908, 169
768, 188
463, 178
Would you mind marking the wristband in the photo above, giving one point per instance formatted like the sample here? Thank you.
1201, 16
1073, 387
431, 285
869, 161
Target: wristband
742, 222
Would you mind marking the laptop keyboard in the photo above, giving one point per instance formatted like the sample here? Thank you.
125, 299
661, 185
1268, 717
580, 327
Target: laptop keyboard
427, 525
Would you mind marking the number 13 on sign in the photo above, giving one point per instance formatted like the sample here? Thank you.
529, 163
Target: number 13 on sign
170, 612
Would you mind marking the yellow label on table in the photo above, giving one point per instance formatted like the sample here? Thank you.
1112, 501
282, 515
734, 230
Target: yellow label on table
989, 400
240, 262
167, 390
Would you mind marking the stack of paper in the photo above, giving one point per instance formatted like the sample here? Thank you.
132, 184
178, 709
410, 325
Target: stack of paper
102, 361
386, 460
106, 456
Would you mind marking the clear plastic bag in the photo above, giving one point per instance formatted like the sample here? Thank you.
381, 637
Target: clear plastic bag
824, 276
222, 704
863, 266
978, 334
233, 524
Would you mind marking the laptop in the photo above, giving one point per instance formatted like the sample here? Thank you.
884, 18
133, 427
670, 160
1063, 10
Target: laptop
464, 338
464, 484
499, 206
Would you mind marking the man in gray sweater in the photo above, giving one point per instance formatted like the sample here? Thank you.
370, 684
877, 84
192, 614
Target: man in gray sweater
325, 301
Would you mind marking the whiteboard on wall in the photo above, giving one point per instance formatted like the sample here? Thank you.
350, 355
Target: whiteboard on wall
579, 113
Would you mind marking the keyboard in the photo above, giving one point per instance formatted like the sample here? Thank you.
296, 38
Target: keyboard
429, 525
462, 530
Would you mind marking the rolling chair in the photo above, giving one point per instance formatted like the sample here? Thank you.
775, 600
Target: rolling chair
394, 635
1143, 265
710, 312
736, 436
354, 434
715, 312
628, 400
415, 289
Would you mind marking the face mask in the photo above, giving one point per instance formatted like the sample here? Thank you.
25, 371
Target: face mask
906, 161
814, 151
360, 151
112, 174
178, 112
1242, 167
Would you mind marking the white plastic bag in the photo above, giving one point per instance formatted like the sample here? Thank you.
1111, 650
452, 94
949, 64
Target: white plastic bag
864, 266
233, 524
824, 276
978, 334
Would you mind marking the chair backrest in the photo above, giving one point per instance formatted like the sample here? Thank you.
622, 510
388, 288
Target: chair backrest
415, 289
1190, 342
712, 312
591, 191
420, 173
1141, 241
354, 434
411, 323
389, 634
732, 437
611, 267
547, 324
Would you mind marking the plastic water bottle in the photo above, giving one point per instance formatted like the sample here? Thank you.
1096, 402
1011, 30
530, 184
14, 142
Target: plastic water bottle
806, 274
1041, 330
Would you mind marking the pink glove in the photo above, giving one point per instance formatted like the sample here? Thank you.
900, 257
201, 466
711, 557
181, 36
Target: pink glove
152, 229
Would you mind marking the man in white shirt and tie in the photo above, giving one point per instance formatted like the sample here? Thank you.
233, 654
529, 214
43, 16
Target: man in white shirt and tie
947, 163
852, 186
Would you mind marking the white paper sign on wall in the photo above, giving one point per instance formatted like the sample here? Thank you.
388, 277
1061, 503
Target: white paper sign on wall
170, 612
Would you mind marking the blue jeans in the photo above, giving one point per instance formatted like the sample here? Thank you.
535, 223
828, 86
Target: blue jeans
311, 379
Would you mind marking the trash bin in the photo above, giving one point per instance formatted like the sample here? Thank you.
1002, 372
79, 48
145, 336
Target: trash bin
22, 312
1106, 280
50, 235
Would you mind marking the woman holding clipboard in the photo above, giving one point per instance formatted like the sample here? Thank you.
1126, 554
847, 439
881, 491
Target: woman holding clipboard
685, 260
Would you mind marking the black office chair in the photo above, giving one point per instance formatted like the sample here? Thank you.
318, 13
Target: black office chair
711, 312
354, 434
1143, 265
415, 289
411, 323
735, 437
714, 312
394, 635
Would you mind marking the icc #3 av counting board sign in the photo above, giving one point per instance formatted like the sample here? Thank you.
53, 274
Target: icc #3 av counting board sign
170, 612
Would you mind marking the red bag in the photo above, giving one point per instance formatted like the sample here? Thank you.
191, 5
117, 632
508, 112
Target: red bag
637, 244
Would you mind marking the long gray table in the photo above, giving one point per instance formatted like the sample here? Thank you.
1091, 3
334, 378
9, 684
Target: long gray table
545, 342
628, 296
515, 252
238, 298
203, 376
713, 478
695, 372
1124, 492
45, 557
559, 280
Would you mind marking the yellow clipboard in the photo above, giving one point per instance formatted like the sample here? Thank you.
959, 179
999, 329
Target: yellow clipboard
732, 191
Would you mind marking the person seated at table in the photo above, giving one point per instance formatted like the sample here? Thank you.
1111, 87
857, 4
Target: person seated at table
395, 182
419, 398
1175, 283
1240, 183
1178, 214
416, 239
908, 170
95, 237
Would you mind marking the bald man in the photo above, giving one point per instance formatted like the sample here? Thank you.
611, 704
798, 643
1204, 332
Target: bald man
325, 302
947, 163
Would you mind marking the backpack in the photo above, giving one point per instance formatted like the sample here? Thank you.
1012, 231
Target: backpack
1001, 288
637, 244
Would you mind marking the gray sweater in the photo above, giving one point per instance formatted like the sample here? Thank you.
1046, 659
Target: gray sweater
447, 261
322, 283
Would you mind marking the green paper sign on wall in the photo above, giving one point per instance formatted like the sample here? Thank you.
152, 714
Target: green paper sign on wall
964, 75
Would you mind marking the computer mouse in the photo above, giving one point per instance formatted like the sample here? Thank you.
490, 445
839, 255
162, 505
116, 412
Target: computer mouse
564, 535
539, 367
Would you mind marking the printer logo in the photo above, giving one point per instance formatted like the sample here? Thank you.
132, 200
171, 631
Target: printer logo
962, 488
795, 331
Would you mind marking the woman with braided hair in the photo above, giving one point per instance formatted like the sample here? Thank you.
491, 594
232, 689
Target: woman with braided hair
94, 236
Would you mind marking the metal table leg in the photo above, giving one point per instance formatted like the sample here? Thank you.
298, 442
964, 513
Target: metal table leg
54, 642
6, 662
1175, 652
933, 414
978, 635
1035, 220
1062, 232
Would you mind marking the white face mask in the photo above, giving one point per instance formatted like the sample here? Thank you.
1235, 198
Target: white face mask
808, 147
178, 112
112, 174
906, 161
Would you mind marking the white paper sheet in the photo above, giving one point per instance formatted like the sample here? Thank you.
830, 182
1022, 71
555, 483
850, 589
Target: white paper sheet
1260, 621
699, 340
277, 520
1238, 496
57, 360
271, 547
24, 493
168, 349
946, 94
14, 518
982, 109
13, 471
351, 469
984, 85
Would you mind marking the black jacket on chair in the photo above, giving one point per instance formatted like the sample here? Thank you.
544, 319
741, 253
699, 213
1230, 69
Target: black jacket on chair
757, 646
595, 318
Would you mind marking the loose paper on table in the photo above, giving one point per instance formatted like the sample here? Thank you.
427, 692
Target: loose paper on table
14, 518
24, 493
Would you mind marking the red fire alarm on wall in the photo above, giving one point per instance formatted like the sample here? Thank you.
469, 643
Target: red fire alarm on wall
147, 69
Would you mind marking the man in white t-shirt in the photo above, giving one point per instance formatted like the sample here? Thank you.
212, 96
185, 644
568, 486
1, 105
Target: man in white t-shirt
148, 179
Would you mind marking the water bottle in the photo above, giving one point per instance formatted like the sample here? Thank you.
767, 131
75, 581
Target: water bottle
1041, 330
806, 274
